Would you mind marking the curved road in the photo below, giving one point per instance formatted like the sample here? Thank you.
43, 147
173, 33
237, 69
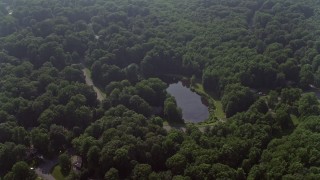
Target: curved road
100, 95
44, 170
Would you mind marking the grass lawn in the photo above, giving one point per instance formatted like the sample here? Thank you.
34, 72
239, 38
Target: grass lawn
215, 106
56, 173
294, 119
87, 71
219, 111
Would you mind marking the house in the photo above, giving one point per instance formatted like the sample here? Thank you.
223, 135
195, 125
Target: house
76, 162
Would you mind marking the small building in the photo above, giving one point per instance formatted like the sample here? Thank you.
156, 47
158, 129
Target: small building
76, 162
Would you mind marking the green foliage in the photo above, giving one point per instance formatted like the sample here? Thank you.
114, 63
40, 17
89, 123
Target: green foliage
290, 95
11, 153
177, 163
142, 171
236, 98
308, 105
302, 145
171, 111
112, 174
218, 171
65, 164
238, 48
21, 170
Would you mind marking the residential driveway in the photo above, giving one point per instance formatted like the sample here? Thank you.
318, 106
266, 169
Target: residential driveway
44, 170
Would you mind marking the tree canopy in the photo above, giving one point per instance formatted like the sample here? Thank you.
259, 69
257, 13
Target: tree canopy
257, 60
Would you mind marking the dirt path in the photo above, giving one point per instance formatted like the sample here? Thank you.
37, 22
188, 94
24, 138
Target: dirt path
100, 95
178, 127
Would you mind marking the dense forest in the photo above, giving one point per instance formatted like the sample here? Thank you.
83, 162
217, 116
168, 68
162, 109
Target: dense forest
260, 58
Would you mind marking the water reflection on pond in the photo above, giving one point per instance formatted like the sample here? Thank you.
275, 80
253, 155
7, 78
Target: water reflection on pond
194, 108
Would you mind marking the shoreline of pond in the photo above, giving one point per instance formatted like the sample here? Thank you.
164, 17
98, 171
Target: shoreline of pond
214, 105
194, 107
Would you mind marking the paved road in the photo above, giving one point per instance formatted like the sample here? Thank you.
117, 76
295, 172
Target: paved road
100, 95
44, 170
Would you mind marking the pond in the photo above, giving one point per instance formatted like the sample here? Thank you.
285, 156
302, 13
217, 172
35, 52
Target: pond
194, 107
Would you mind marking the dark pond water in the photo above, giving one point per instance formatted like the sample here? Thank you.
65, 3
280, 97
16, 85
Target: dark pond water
194, 108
